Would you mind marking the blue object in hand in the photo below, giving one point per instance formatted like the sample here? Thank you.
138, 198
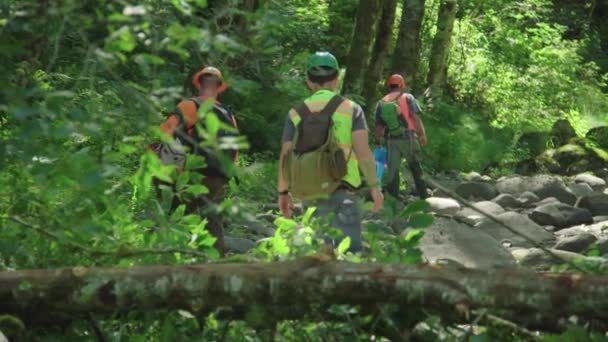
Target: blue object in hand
380, 157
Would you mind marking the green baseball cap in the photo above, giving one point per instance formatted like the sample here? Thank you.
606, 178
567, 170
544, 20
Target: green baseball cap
322, 63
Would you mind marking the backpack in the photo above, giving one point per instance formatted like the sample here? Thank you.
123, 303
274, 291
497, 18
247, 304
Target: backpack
395, 112
315, 164
188, 139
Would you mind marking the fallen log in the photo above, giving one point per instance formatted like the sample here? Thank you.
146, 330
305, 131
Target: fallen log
289, 290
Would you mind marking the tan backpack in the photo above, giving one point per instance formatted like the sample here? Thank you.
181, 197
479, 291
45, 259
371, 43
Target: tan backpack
315, 164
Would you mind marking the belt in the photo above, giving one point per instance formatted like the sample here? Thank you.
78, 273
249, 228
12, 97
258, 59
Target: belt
347, 187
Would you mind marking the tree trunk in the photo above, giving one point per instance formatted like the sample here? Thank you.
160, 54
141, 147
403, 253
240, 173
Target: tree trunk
290, 290
363, 38
381, 45
438, 65
406, 58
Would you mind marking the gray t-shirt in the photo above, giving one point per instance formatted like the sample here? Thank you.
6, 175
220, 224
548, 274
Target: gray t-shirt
359, 123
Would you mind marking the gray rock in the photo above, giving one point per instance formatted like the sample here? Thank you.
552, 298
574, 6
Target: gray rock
580, 189
600, 230
521, 224
472, 176
259, 228
596, 203
598, 219
485, 178
527, 198
452, 240
507, 201
602, 245
476, 190
595, 182
267, 217
577, 243
560, 215
548, 200
487, 206
542, 185
238, 245
446, 206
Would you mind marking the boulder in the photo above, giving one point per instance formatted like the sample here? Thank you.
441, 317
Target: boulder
476, 190
599, 135
577, 243
546, 162
521, 224
580, 189
596, 203
528, 198
452, 240
568, 155
560, 215
596, 183
445, 206
548, 200
487, 206
600, 230
507, 201
472, 176
598, 219
238, 245
561, 132
541, 185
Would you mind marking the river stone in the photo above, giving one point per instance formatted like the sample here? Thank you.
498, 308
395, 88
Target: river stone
472, 176
507, 201
593, 181
577, 243
600, 230
521, 224
542, 185
528, 198
548, 200
596, 203
473, 190
560, 215
580, 189
487, 206
446, 206
452, 240
540, 260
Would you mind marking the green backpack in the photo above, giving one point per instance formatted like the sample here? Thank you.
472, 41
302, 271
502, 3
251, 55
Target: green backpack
391, 115
315, 164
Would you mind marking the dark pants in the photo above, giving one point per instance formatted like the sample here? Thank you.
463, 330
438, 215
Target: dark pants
408, 147
346, 210
206, 206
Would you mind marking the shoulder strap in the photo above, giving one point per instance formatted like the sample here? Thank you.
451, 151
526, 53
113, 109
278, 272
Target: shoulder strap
302, 110
332, 105
404, 108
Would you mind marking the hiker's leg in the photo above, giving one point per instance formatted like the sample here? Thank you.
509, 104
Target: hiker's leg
215, 220
394, 164
344, 208
414, 157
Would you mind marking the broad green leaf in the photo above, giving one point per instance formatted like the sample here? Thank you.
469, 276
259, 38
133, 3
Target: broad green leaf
420, 220
212, 125
308, 215
414, 236
414, 207
197, 189
178, 213
344, 244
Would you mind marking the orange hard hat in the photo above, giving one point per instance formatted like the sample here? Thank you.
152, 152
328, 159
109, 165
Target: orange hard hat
213, 71
395, 80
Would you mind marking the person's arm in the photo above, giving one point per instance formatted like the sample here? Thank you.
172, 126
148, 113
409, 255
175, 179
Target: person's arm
364, 155
420, 129
416, 111
284, 199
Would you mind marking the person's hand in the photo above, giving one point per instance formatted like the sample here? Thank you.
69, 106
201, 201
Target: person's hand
285, 205
378, 199
423, 140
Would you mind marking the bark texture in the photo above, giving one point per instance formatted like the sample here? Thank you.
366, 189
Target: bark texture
360, 47
406, 58
289, 290
381, 46
438, 65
